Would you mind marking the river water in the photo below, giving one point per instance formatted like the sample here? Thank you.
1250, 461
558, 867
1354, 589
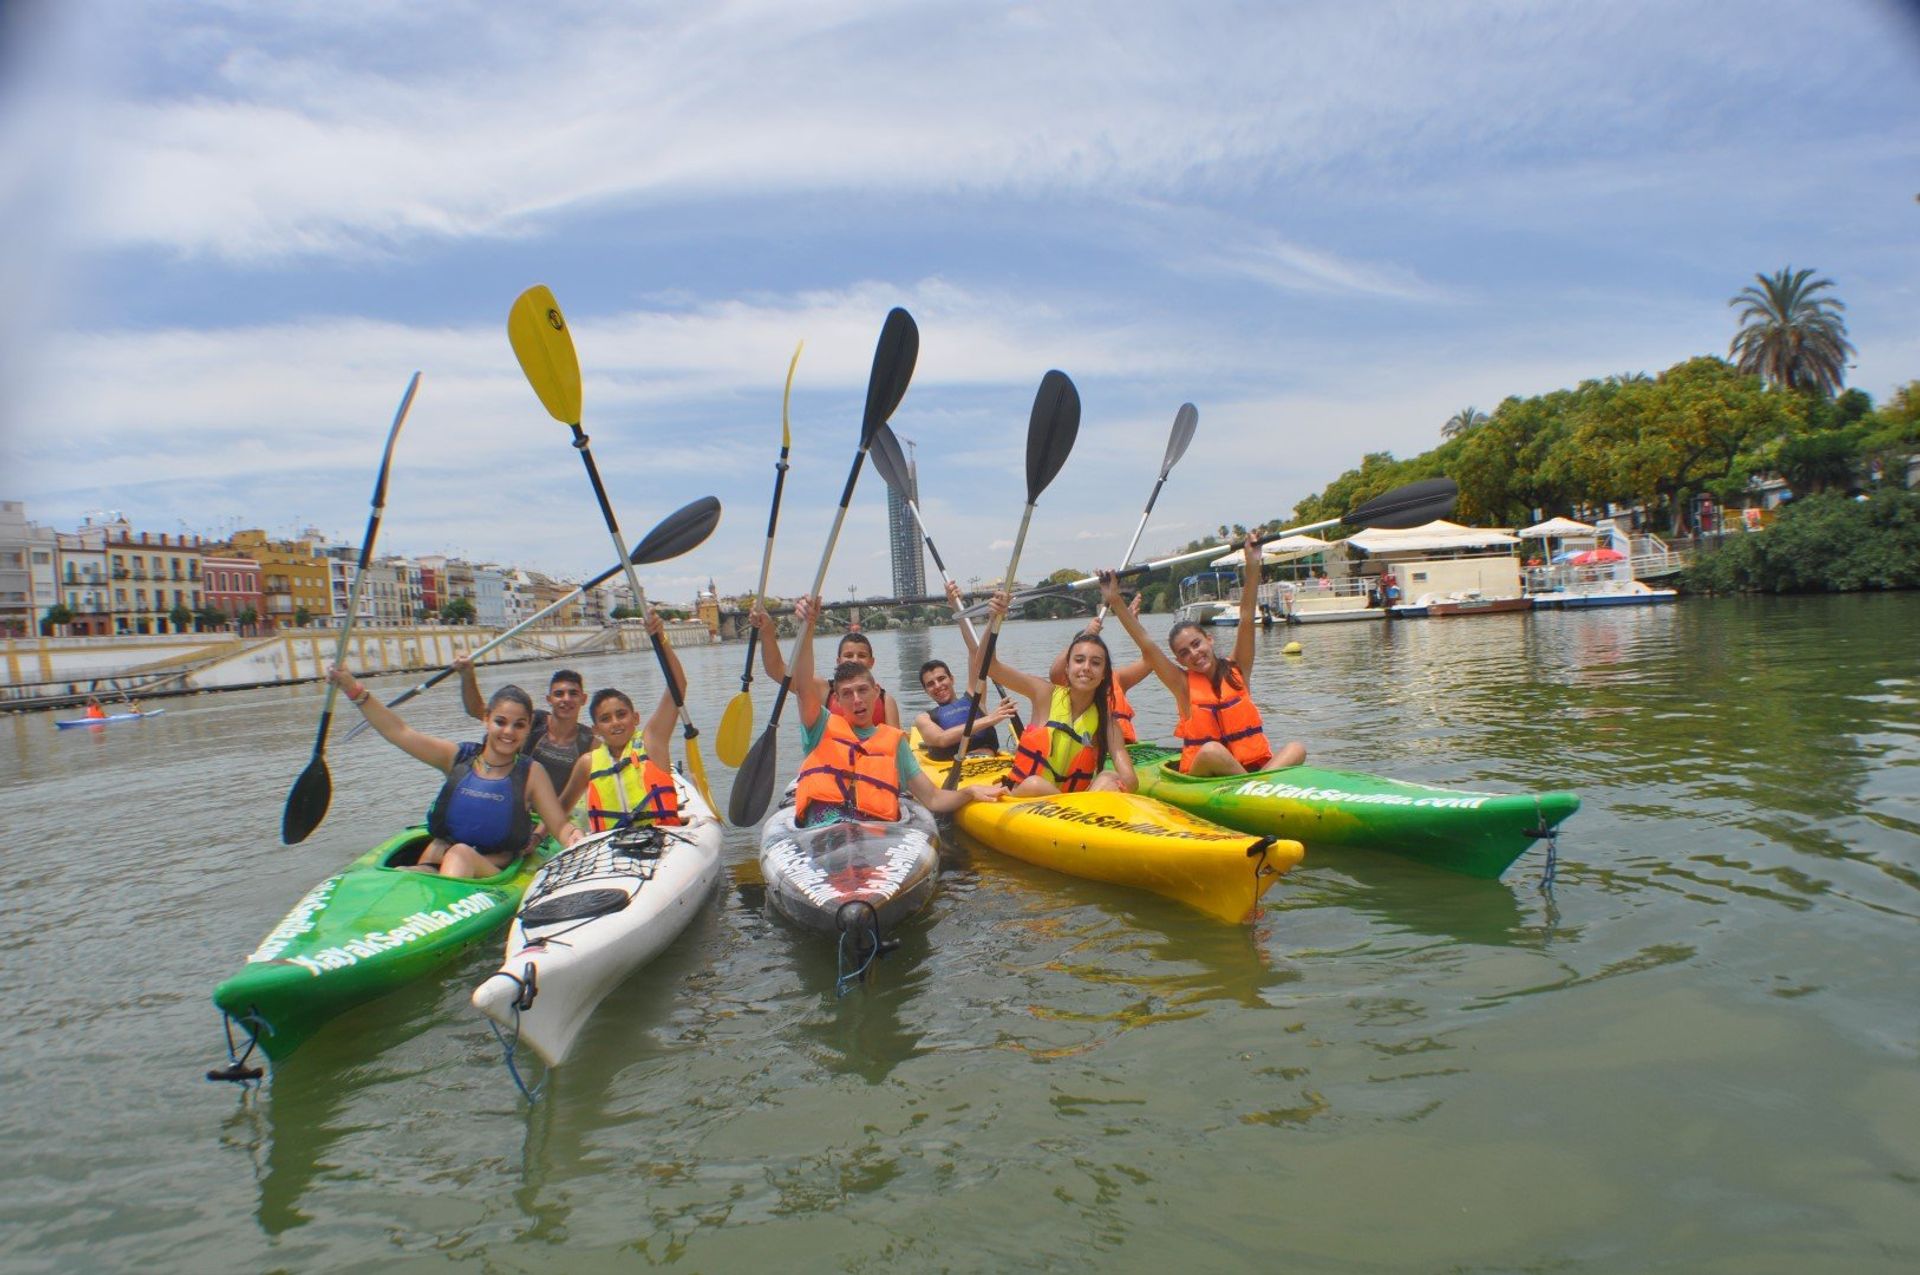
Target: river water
1698, 1053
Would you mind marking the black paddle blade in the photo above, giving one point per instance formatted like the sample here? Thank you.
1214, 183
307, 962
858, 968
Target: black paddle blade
307, 802
1050, 431
1407, 506
1185, 421
884, 451
893, 360
753, 782
679, 532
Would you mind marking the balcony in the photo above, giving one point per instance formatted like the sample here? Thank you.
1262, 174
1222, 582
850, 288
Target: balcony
119, 573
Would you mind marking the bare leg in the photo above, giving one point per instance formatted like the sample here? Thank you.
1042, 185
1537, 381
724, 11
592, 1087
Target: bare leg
1035, 786
1107, 781
463, 860
1292, 755
1214, 758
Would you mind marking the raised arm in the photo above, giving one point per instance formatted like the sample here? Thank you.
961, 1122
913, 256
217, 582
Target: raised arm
805, 684
774, 663
656, 736
1249, 596
1163, 667
438, 753
470, 697
1037, 689
943, 801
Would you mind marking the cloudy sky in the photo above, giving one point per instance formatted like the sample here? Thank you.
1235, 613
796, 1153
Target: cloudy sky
234, 229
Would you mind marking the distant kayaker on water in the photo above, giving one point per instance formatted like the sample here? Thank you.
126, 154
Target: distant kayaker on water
626, 785
479, 820
558, 738
856, 767
1074, 732
94, 709
940, 726
853, 646
1221, 732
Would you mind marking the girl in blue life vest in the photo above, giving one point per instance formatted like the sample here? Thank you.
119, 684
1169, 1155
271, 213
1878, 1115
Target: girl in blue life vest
479, 820
1221, 732
1073, 733
629, 783
857, 767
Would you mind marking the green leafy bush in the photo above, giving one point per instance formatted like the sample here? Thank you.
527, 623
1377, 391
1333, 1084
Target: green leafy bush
1826, 543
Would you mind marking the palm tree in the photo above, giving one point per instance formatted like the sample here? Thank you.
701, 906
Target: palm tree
1790, 336
1464, 421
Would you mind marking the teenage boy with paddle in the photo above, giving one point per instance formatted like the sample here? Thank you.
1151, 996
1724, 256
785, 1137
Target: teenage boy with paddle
853, 646
857, 767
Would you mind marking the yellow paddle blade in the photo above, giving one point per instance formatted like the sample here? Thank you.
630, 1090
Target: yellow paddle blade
735, 735
544, 346
786, 435
699, 771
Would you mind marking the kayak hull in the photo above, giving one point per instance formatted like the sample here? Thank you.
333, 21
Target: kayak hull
596, 913
1476, 833
825, 878
1126, 839
72, 722
361, 933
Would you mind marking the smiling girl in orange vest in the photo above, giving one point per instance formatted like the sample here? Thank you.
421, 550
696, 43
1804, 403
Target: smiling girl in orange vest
1221, 732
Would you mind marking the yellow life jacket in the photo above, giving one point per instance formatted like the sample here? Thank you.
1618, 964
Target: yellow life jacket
630, 791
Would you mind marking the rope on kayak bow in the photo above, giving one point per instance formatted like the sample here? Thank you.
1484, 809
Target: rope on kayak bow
1552, 837
523, 1000
236, 1070
860, 943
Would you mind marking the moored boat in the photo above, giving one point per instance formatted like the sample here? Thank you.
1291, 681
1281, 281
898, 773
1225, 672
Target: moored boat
597, 912
1477, 833
1125, 839
361, 933
855, 878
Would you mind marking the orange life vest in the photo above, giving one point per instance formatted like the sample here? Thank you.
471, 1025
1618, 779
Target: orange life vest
1049, 748
1122, 712
632, 790
845, 772
1229, 717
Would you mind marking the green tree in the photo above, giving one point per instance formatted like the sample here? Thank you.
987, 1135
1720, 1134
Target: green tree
58, 616
207, 617
1789, 335
180, 616
457, 611
1656, 442
302, 617
247, 618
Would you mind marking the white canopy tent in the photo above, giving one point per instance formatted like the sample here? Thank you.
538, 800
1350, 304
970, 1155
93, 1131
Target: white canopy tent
1285, 549
1430, 537
1556, 528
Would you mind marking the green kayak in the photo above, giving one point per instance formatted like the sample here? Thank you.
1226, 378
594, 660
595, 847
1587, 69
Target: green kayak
362, 933
1478, 833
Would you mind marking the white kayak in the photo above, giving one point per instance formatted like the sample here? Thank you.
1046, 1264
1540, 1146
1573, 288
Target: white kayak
854, 878
595, 914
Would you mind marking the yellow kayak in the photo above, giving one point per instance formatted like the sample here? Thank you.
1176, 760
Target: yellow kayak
1126, 839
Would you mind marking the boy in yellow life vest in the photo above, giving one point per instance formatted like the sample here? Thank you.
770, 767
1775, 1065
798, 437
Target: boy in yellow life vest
857, 768
625, 785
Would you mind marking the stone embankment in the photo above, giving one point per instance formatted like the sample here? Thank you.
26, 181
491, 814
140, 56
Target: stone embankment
40, 673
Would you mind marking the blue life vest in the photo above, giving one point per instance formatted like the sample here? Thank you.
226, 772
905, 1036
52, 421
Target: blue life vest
488, 814
953, 714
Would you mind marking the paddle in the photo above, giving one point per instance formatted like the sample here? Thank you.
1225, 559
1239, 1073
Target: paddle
538, 333
736, 724
893, 360
892, 464
312, 792
1184, 423
1408, 506
1051, 429
679, 532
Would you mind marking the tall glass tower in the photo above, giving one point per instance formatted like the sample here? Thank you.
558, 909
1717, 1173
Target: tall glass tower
909, 557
